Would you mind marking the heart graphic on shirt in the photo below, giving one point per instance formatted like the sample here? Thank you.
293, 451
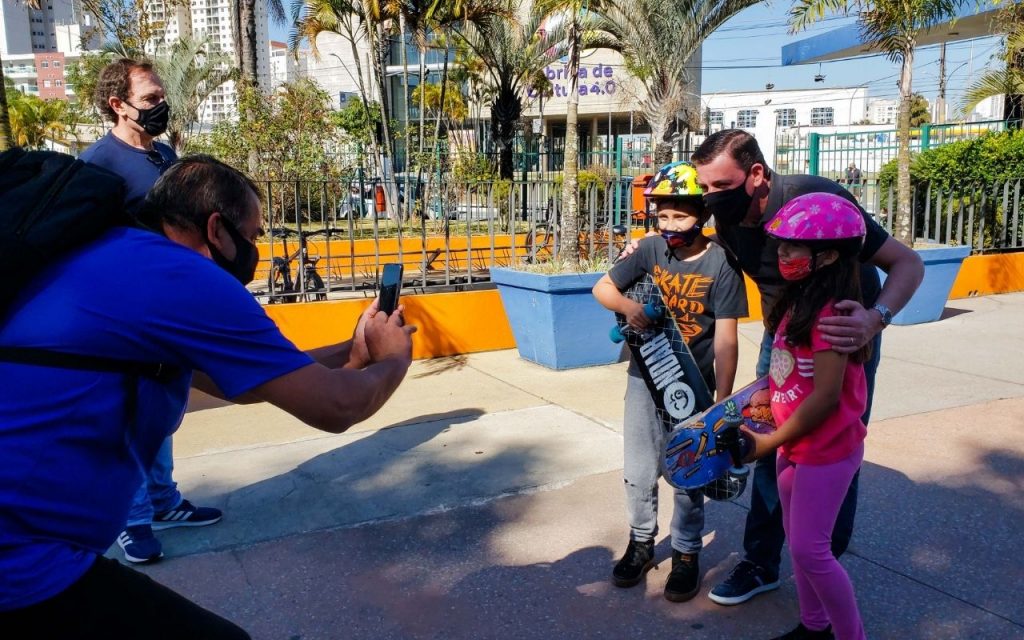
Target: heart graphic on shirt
781, 367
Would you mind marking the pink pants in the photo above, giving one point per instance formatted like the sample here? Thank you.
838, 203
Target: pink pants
811, 496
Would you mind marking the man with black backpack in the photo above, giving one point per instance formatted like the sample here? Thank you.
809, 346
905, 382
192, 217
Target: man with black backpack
99, 340
131, 96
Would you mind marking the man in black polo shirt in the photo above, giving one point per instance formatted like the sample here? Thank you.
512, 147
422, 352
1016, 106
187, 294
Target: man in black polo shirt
743, 194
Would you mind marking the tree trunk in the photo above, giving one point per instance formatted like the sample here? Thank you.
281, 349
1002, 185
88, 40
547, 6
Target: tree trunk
505, 113
375, 138
903, 224
423, 97
6, 137
378, 50
1013, 103
569, 242
406, 136
444, 93
662, 154
247, 18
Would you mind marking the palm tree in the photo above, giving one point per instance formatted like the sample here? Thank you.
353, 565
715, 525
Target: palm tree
6, 137
512, 53
657, 40
246, 43
190, 73
570, 15
892, 27
33, 120
1007, 81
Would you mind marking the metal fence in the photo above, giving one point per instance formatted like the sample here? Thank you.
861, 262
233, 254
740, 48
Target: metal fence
987, 217
830, 154
329, 240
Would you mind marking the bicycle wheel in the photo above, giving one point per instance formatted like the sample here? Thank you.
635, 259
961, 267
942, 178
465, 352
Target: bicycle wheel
538, 247
315, 285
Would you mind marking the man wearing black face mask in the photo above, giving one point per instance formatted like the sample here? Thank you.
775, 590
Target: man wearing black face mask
131, 96
743, 194
69, 449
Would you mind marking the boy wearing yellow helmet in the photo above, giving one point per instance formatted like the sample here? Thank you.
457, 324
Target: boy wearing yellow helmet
706, 296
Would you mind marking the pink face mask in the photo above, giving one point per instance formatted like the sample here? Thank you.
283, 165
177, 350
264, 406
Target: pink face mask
795, 269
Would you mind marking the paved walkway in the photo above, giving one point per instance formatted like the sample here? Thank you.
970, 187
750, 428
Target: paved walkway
486, 501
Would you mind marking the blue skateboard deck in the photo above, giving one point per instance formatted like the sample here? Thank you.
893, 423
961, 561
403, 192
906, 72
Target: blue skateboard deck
696, 454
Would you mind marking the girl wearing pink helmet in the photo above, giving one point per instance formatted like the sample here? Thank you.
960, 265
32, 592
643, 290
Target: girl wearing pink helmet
817, 397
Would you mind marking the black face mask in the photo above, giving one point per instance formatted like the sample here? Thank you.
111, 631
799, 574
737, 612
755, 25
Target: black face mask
153, 121
729, 207
243, 266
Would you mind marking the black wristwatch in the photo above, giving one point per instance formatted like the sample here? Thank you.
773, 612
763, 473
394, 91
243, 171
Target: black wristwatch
884, 311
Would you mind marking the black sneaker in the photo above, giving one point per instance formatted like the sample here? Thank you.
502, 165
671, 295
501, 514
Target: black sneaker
803, 633
638, 560
746, 581
684, 581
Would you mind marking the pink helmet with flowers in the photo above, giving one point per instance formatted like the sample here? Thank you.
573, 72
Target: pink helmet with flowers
819, 220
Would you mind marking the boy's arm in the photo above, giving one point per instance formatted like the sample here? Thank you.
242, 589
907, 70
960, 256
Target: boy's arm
612, 299
727, 352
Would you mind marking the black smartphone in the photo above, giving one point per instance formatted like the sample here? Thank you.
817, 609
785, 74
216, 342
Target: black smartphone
390, 287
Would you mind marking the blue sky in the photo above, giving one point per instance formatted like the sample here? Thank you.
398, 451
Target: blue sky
744, 55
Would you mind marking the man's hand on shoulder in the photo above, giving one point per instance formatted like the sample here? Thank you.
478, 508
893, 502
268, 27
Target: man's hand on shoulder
851, 328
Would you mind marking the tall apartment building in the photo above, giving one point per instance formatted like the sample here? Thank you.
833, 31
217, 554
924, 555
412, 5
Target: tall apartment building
285, 67
38, 44
212, 20
884, 111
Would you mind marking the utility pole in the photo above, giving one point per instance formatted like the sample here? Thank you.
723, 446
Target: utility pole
940, 103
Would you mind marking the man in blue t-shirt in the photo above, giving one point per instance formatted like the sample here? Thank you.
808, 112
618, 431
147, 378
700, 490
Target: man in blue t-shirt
131, 95
72, 441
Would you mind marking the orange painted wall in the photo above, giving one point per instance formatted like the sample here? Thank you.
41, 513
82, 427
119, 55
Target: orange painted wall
988, 274
449, 323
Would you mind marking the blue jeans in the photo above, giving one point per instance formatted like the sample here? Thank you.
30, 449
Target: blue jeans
763, 535
158, 492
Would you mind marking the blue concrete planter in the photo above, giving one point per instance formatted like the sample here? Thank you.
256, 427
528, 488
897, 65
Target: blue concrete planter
555, 319
941, 266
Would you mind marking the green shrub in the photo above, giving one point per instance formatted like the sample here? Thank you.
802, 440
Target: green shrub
989, 158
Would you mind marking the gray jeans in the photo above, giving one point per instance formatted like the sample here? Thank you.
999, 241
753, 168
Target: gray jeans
644, 443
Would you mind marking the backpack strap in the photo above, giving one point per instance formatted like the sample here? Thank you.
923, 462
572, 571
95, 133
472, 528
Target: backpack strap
46, 358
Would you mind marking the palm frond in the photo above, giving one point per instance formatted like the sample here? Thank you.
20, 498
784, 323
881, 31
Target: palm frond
989, 84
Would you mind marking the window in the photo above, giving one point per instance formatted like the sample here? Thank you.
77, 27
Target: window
46, 83
59, 83
822, 116
746, 118
717, 117
46, 65
785, 117
56, 63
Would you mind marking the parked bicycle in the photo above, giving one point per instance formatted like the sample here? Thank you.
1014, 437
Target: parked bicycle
306, 284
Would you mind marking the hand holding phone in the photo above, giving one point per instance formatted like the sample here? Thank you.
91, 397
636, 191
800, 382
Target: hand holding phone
390, 287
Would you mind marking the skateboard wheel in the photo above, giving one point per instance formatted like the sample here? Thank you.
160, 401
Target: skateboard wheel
616, 334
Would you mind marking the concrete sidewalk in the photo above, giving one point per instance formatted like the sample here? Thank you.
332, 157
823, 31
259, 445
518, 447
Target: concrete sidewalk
486, 501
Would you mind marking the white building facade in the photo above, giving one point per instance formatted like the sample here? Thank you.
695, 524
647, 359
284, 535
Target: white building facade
284, 66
